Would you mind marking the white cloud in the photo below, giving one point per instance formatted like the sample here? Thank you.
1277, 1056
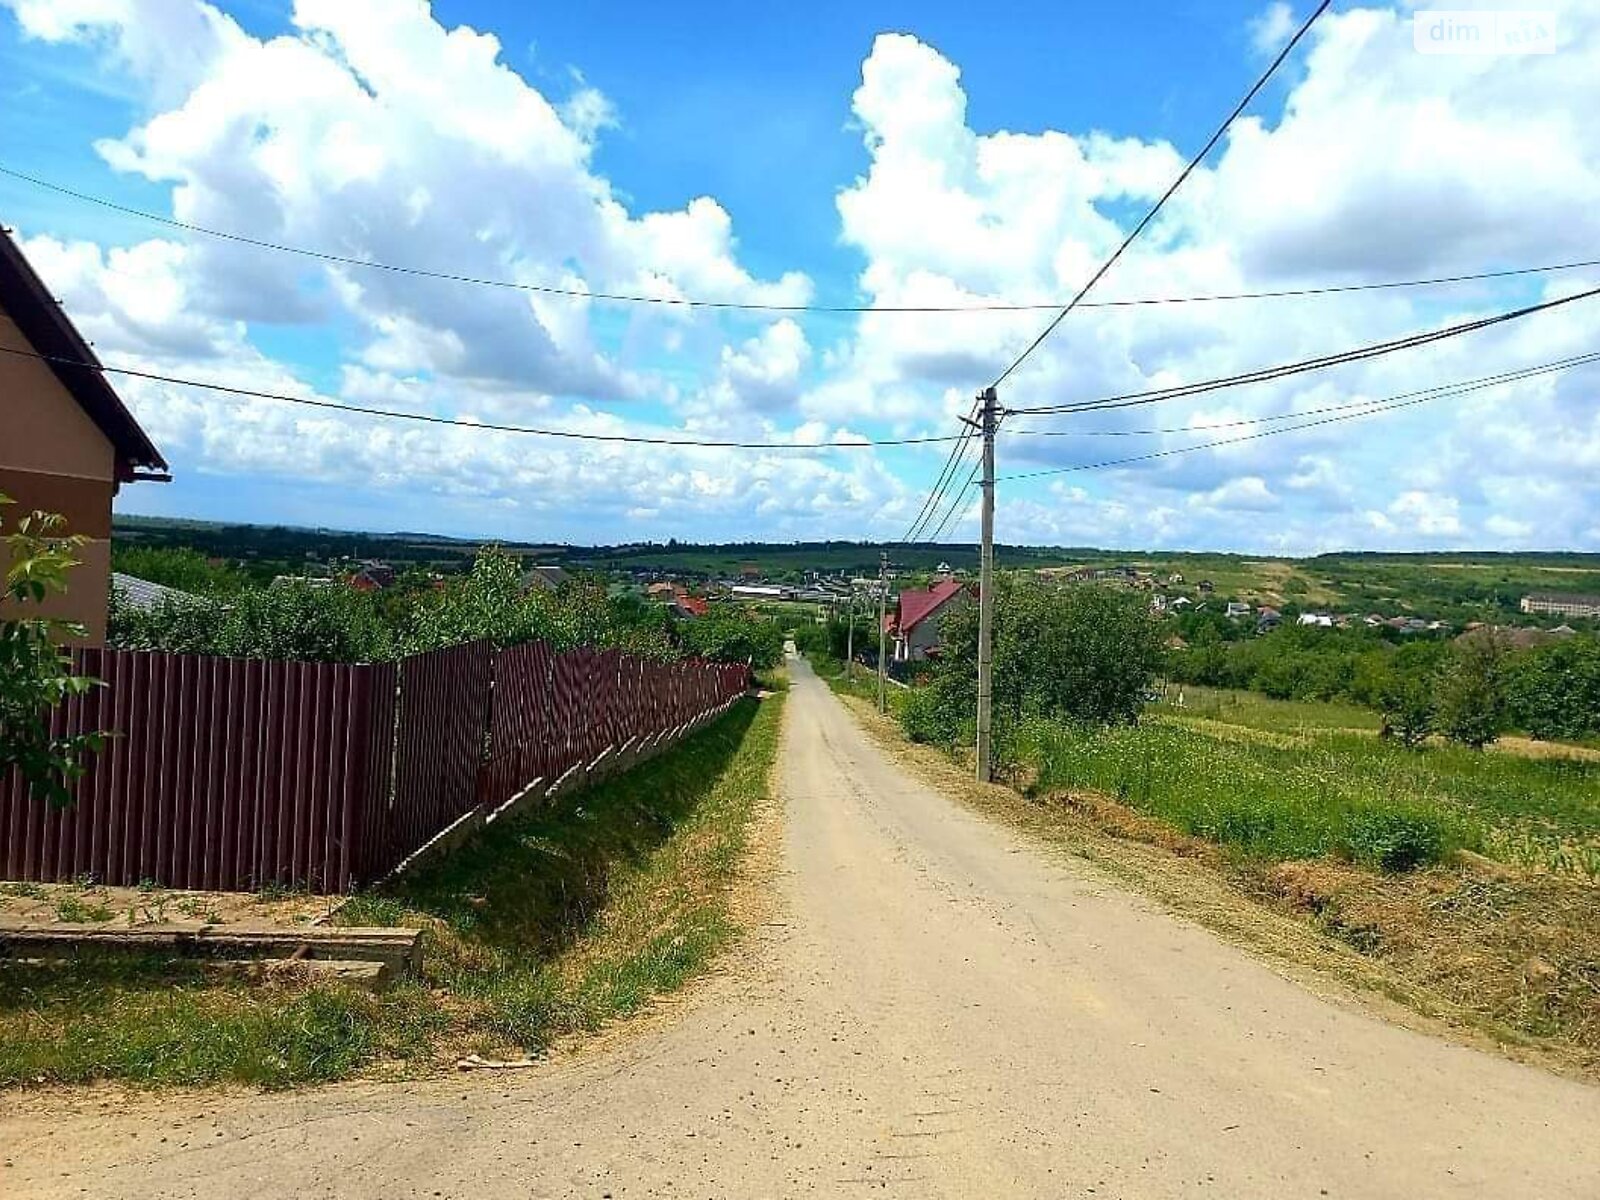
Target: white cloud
375, 132
1248, 493
1271, 28
372, 130
1377, 168
1506, 528
763, 375
1427, 513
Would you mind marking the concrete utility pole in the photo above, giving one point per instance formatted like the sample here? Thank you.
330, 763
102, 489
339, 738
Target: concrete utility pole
990, 418
883, 613
850, 639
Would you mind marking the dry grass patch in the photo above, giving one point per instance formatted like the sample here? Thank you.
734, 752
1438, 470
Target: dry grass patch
1524, 950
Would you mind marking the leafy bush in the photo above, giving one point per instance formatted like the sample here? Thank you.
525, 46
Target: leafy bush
286, 621
1083, 654
1397, 839
927, 717
733, 637
35, 672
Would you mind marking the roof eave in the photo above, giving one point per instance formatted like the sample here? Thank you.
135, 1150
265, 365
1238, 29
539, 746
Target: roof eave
50, 332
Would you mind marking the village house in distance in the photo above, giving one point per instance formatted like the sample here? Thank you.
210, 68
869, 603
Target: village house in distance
1561, 605
69, 442
914, 624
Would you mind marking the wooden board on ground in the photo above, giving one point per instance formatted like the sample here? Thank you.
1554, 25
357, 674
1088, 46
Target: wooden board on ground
400, 949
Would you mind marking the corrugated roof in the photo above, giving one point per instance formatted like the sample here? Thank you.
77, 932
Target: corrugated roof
143, 594
545, 576
916, 607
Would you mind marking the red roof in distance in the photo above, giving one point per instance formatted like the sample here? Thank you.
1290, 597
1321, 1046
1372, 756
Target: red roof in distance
916, 607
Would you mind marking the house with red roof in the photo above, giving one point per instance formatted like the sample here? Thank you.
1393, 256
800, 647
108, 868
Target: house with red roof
685, 605
914, 624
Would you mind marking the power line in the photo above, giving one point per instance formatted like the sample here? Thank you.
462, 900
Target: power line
1167, 195
930, 504
956, 504
539, 431
1283, 370
1249, 437
1375, 408
1289, 293
1575, 360
742, 306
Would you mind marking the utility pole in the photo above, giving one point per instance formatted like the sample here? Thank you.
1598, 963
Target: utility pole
850, 639
989, 417
883, 613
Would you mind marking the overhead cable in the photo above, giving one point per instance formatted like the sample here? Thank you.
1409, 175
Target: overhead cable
1167, 195
487, 426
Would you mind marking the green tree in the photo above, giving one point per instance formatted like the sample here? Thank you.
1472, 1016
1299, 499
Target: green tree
1554, 690
487, 603
1083, 654
734, 637
179, 567
1408, 702
35, 671
1472, 693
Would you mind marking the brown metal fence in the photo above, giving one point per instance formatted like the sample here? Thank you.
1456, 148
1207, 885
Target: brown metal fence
217, 773
439, 742
232, 774
553, 711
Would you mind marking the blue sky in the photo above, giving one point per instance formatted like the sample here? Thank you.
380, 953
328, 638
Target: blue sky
885, 154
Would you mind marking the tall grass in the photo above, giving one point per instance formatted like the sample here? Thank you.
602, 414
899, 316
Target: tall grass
1345, 794
1255, 711
1264, 801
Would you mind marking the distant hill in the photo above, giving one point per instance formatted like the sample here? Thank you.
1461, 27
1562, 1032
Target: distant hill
1457, 586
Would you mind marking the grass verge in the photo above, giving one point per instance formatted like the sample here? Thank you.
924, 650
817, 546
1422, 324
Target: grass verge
546, 925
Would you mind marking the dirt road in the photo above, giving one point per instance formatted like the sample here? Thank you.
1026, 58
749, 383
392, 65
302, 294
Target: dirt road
941, 1010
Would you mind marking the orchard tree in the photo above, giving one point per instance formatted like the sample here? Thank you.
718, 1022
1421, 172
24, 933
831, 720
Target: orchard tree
1472, 690
1408, 703
1555, 689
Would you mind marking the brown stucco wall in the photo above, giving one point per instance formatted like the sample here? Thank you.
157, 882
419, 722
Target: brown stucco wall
54, 458
45, 429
